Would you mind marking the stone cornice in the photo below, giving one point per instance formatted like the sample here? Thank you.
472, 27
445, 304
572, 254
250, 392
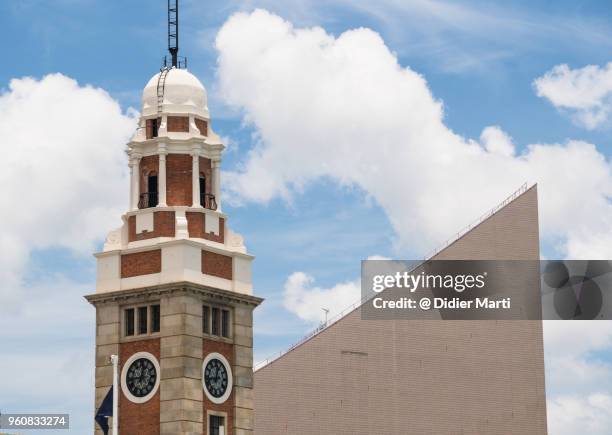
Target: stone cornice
184, 208
170, 141
221, 296
203, 244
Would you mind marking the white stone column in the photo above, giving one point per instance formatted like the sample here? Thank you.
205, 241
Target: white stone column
216, 182
162, 176
162, 129
192, 126
195, 177
131, 204
135, 183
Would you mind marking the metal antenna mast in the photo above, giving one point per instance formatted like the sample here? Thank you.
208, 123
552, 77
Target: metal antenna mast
173, 30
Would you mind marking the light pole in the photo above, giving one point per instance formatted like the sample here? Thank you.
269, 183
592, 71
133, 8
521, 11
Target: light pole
115, 361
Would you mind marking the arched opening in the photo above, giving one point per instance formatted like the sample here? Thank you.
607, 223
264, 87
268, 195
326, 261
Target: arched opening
150, 197
152, 127
153, 194
203, 190
207, 200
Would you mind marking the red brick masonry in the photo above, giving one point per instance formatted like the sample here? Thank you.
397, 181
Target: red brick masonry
178, 124
139, 419
196, 222
227, 350
178, 179
163, 226
202, 126
217, 265
140, 263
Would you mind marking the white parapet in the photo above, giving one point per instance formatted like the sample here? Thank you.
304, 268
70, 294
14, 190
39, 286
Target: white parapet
144, 221
211, 224
181, 260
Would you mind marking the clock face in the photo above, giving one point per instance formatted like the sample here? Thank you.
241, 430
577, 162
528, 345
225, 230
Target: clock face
216, 378
141, 377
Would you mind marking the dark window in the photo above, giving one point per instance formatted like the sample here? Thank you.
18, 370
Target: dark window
152, 128
202, 190
129, 321
152, 199
155, 318
216, 423
225, 323
215, 321
206, 319
142, 320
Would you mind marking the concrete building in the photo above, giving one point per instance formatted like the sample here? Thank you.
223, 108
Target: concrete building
434, 377
174, 294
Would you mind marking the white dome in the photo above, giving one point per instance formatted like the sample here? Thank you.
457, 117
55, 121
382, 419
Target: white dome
183, 93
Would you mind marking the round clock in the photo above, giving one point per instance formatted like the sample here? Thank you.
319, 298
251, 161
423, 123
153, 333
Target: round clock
216, 378
140, 377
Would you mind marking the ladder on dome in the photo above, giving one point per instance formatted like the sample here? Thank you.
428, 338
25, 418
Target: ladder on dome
173, 47
161, 86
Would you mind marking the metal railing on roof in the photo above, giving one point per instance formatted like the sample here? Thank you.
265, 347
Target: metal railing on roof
324, 325
312, 334
477, 222
181, 62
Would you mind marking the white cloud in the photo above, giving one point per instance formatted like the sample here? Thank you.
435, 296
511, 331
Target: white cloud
304, 299
64, 185
343, 108
63, 170
307, 301
497, 141
586, 93
579, 336
572, 364
52, 328
453, 36
571, 415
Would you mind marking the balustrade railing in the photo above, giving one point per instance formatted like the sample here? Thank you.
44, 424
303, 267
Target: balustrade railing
148, 199
208, 200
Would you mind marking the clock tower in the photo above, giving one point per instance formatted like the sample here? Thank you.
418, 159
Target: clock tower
174, 297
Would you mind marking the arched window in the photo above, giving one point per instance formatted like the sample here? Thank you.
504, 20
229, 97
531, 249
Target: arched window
202, 190
153, 195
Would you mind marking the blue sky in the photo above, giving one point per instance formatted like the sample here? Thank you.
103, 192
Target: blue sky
483, 75
479, 58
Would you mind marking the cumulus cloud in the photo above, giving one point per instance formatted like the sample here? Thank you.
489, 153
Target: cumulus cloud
308, 301
63, 170
342, 108
570, 415
64, 185
580, 336
585, 93
55, 317
497, 141
572, 365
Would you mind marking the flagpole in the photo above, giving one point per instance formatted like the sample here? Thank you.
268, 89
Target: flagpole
115, 361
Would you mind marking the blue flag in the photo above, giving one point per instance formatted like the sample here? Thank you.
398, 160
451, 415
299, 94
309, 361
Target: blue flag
105, 411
